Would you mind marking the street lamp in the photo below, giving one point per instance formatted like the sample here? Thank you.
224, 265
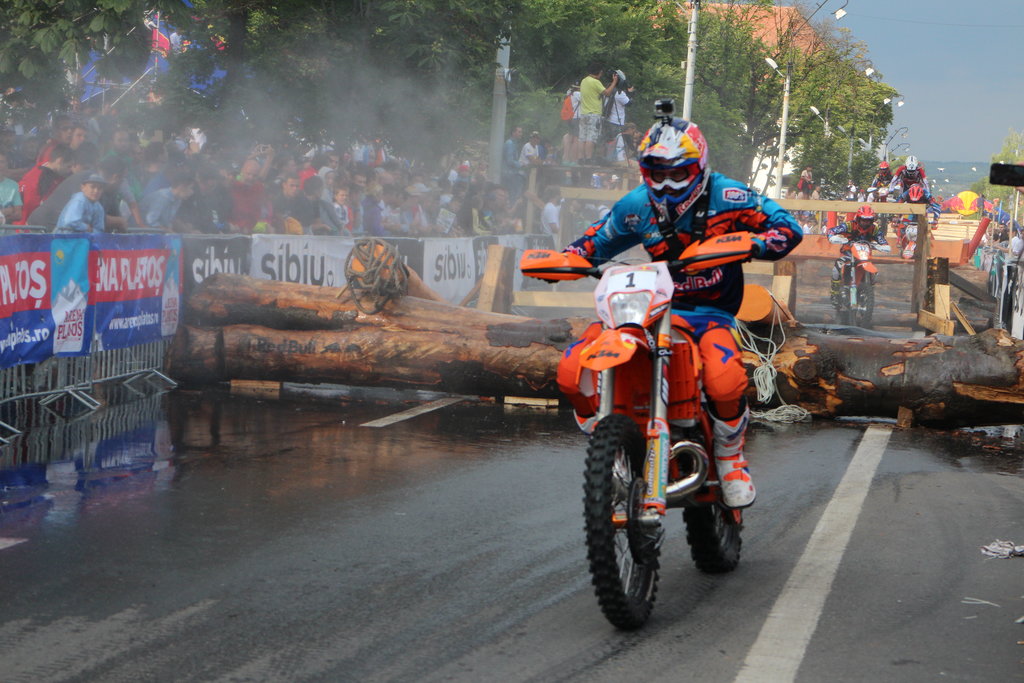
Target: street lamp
903, 130
849, 159
780, 167
823, 120
903, 146
840, 13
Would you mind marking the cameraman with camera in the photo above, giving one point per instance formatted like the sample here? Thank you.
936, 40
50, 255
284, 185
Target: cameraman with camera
591, 107
615, 111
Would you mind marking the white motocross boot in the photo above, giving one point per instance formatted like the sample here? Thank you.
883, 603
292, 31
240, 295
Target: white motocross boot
737, 486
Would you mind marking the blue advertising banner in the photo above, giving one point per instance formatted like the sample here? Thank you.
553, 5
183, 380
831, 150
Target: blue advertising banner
42, 278
136, 282
72, 314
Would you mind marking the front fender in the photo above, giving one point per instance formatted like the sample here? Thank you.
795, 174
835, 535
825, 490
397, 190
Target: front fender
611, 348
867, 266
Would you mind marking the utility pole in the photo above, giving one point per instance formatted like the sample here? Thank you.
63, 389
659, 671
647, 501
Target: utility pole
499, 105
780, 169
849, 160
691, 60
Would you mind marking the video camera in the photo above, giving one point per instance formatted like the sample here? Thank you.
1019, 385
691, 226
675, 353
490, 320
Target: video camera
623, 84
1006, 174
664, 109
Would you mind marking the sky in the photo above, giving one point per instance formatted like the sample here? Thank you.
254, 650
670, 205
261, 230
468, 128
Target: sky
957, 64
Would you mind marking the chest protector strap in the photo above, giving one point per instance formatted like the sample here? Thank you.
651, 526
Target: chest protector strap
668, 231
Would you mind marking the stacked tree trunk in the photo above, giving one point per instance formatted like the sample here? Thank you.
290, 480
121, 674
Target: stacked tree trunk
243, 328
259, 329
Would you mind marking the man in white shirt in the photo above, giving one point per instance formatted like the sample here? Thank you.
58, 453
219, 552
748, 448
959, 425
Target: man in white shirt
530, 154
1016, 245
550, 215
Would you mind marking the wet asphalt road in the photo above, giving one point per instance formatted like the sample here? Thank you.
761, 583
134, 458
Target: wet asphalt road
237, 540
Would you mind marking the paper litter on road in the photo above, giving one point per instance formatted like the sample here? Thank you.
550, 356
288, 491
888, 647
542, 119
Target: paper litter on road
1003, 550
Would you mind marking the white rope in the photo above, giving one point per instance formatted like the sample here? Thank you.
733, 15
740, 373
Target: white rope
765, 373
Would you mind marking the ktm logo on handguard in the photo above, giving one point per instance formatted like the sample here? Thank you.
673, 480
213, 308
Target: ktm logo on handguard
603, 354
539, 254
729, 238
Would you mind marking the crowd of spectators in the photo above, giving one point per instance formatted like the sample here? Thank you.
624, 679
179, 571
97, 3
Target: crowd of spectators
90, 173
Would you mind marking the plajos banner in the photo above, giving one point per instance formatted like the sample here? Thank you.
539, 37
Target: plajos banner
44, 291
135, 288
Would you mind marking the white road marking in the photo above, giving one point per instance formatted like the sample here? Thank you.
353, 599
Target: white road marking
779, 649
8, 542
413, 412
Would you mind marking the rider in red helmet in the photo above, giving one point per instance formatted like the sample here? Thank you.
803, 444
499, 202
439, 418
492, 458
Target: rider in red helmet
861, 228
878, 190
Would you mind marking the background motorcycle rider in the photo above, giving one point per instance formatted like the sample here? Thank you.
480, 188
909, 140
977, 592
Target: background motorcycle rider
912, 171
861, 228
679, 202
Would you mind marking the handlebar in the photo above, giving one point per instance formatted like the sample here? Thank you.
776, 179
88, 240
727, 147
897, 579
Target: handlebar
547, 264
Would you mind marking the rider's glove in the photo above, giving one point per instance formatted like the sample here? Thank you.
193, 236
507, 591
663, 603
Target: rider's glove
758, 248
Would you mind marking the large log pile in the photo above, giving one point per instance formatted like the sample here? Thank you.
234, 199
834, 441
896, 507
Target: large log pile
946, 381
243, 328
259, 329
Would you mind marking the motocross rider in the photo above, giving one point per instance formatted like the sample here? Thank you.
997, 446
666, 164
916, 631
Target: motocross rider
909, 173
880, 183
679, 202
878, 191
861, 228
919, 194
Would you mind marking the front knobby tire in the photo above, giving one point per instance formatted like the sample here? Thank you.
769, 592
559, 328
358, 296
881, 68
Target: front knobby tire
714, 538
865, 304
625, 582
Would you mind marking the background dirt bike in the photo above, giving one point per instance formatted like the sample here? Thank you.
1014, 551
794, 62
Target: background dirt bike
652, 445
906, 237
857, 279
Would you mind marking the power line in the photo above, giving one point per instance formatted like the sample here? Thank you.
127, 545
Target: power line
935, 23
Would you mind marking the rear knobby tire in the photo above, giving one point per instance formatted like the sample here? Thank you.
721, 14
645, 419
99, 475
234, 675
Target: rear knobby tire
714, 538
625, 584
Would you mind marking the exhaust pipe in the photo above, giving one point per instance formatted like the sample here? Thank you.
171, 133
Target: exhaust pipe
693, 461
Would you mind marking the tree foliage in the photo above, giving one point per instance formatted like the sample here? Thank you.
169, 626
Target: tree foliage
421, 71
1012, 152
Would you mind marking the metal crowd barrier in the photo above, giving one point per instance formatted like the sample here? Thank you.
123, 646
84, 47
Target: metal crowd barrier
73, 379
58, 439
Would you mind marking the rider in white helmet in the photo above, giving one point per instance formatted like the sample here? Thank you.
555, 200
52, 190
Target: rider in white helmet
910, 173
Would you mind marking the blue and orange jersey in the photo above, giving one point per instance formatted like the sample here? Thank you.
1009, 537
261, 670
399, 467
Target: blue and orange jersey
733, 207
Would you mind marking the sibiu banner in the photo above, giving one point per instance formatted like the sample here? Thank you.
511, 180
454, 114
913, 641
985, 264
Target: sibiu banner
204, 256
43, 298
136, 290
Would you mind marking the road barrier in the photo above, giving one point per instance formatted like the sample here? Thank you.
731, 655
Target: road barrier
1006, 284
76, 310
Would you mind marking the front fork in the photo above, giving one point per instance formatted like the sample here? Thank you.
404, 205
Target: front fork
658, 437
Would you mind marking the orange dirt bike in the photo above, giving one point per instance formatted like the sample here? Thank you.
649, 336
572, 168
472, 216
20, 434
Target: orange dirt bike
652, 446
906, 237
856, 305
